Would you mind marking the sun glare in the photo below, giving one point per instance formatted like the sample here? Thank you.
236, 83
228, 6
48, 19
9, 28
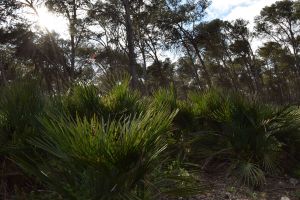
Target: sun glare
51, 21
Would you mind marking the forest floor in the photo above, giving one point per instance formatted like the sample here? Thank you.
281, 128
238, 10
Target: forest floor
276, 188
220, 188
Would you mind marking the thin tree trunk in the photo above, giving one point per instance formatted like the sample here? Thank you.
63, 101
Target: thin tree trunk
193, 65
198, 54
206, 73
295, 47
130, 43
72, 35
144, 68
232, 76
2, 73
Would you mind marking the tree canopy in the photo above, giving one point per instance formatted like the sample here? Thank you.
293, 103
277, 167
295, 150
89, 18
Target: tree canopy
106, 37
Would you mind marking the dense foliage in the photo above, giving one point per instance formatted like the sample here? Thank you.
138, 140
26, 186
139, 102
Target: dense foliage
85, 144
105, 37
98, 112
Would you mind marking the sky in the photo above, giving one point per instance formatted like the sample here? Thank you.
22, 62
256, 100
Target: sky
223, 9
234, 9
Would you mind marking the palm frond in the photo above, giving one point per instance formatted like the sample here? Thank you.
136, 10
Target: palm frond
98, 159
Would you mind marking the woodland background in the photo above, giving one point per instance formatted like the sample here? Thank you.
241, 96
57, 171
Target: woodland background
100, 113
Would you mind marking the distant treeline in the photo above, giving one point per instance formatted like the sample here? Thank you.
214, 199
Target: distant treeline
106, 37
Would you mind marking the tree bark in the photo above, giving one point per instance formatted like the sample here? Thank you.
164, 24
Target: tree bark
72, 35
204, 68
198, 54
195, 71
130, 43
2, 74
144, 68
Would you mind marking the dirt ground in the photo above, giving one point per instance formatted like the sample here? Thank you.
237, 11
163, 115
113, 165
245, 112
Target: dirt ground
276, 188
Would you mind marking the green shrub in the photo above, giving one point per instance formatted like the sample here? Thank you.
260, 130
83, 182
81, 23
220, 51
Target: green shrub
121, 101
166, 99
88, 101
205, 105
248, 138
183, 123
92, 159
83, 101
290, 137
109, 143
20, 104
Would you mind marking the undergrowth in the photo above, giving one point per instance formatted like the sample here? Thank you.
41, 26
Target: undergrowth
91, 143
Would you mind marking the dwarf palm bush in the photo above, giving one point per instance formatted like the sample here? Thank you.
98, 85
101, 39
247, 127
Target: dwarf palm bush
94, 159
121, 100
83, 101
248, 138
88, 101
20, 104
167, 99
205, 105
183, 123
289, 137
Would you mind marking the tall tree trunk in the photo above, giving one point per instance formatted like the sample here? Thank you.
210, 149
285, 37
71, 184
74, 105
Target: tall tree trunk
130, 43
195, 71
2, 74
198, 54
72, 35
294, 43
234, 82
254, 69
204, 68
72, 58
144, 68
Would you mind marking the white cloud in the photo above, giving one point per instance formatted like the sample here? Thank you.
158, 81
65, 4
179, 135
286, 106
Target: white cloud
234, 9
238, 9
250, 11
